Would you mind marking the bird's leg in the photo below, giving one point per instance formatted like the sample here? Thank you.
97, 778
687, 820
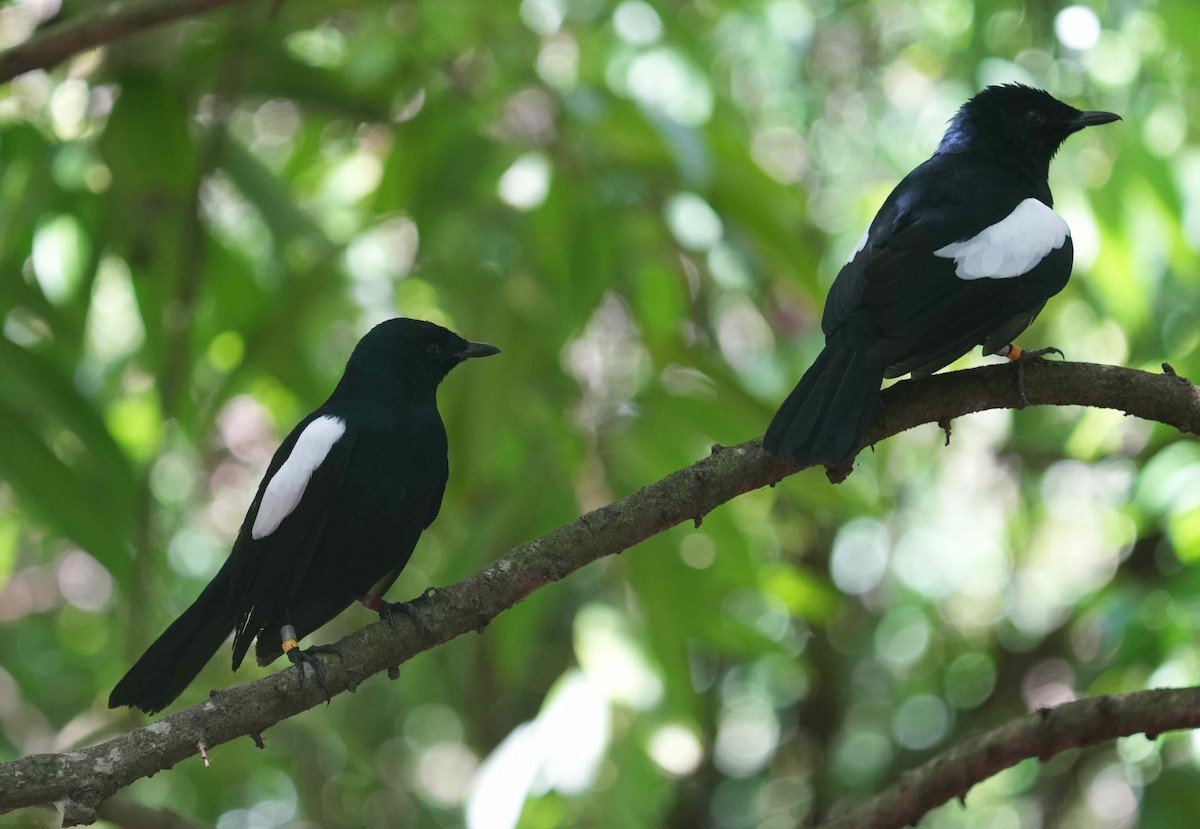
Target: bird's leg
301, 658
1019, 358
374, 598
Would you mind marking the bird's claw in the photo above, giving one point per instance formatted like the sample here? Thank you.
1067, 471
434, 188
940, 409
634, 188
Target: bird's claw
1020, 357
330, 650
308, 657
390, 611
1040, 353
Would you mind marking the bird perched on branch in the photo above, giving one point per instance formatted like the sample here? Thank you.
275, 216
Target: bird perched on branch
965, 251
336, 517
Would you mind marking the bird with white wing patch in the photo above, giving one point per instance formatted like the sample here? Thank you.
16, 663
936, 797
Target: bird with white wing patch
335, 519
965, 251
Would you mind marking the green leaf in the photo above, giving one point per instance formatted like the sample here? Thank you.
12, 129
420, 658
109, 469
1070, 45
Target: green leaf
54, 493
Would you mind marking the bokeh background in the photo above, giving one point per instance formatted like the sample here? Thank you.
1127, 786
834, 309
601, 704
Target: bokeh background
643, 204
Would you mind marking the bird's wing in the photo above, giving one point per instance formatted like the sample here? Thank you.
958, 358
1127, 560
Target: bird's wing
937, 281
285, 524
367, 567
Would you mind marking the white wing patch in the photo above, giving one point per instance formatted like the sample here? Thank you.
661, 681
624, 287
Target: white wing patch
287, 486
1011, 247
862, 243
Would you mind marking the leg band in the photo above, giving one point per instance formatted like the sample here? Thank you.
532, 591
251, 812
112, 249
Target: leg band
1014, 352
288, 634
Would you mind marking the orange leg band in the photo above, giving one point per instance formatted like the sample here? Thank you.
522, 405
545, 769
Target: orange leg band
288, 634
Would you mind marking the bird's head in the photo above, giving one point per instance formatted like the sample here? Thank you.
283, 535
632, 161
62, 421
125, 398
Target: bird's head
1013, 122
416, 353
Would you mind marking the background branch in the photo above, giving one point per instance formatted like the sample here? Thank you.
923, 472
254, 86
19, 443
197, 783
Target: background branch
1041, 734
95, 28
83, 780
126, 813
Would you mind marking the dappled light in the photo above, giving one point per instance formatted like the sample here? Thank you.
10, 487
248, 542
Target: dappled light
643, 205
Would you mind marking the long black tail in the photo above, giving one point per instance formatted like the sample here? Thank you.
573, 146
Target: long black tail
824, 417
172, 662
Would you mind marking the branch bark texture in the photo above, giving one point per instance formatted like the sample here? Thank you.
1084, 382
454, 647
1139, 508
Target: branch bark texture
83, 780
95, 28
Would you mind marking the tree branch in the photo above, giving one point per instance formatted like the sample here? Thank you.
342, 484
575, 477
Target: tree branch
128, 814
1041, 734
83, 780
95, 28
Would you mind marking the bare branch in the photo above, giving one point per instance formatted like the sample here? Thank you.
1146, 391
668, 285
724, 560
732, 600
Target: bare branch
1041, 734
128, 814
83, 780
95, 28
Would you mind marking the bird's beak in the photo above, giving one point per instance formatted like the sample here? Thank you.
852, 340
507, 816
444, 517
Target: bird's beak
477, 350
1091, 119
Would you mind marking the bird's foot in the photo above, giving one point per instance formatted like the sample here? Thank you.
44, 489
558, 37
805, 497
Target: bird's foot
309, 658
329, 650
1020, 357
390, 611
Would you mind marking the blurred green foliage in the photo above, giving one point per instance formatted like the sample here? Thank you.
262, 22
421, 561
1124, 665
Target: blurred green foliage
643, 205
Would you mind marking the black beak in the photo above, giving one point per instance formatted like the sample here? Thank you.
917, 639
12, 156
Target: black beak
1091, 119
477, 350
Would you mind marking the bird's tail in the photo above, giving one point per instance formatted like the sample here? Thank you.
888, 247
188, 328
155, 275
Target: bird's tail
824, 417
176, 657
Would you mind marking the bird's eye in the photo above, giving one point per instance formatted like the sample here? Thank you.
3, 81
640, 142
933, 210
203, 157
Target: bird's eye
1034, 118
433, 350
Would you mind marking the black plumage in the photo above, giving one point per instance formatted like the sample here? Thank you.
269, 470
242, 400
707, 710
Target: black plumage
335, 519
965, 251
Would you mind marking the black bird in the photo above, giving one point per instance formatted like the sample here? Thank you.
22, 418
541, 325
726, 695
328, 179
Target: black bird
965, 251
336, 517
